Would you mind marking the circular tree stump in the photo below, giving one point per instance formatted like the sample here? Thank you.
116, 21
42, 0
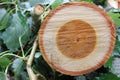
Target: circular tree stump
76, 38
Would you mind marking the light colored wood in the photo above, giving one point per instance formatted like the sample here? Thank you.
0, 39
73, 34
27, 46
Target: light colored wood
74, 29
38, 9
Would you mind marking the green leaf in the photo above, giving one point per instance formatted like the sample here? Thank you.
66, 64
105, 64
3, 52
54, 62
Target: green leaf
2, 76
34, 2
37, 54
117, 46
108, 76
25, 5
4, 22
4, 19
40, 66
1, 45
4, 62
4, 1
17, 29
22, 18
19, 70
56, 3
108, 64
0, 40
115, 17
2, 13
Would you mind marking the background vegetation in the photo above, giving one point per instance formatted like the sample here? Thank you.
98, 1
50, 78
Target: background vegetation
18, 30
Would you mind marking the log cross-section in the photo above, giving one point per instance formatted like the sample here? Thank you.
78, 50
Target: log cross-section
76, 38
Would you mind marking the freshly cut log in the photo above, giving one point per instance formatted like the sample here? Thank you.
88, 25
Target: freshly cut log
76, 38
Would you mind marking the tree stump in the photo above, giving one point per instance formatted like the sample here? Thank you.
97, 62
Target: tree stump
76, 38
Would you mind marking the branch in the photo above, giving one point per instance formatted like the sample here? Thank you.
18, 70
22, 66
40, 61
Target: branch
31, 74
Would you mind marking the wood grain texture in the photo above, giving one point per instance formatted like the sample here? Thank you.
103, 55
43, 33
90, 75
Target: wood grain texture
76, 39
89, 14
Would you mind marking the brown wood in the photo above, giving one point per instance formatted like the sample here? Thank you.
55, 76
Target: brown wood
76, 38
38, 9
73, 40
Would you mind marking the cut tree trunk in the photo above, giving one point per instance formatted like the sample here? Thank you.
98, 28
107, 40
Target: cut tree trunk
76, 38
